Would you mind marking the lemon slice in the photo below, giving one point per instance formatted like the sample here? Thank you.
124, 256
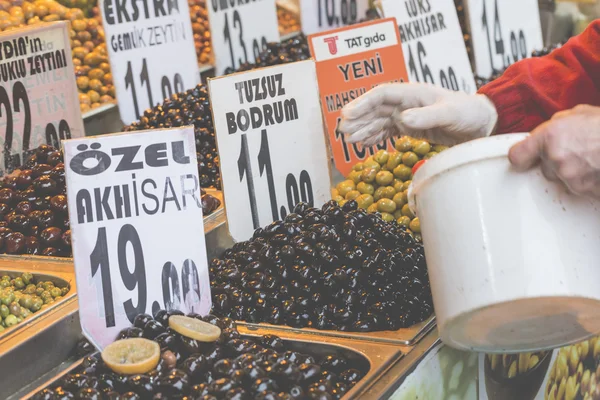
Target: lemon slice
194, 328
132, 356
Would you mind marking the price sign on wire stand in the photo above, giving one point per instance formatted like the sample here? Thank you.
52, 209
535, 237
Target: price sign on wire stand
137, 228
322, 15
351, 61
240, 31
38, 94
433, 43
503, 32
152, 53
271, 144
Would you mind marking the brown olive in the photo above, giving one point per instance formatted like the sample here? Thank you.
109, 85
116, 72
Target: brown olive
51, 236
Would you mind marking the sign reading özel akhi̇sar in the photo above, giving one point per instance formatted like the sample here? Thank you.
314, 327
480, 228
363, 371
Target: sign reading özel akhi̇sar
151, 51
433, 43
271, 144
351, 61
38, 94
137, 228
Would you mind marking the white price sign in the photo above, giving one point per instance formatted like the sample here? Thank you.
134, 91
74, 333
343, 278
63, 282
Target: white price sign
137, 228
433, 44
39, 102
271, 144
503, 32
322, 15
152, 53
240, 31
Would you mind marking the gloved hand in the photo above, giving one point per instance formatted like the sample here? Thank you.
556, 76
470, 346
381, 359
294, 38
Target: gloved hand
419, 110
568, 149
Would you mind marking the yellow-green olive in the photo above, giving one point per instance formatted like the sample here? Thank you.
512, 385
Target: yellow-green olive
415, 226
365, 188
370, 163
334, 193
406, 184
429, 155
398, 185
358, 166
364, 200
394, 160
407, 211
352, 195
384, 178
338, 198
399, 199
386, 205
372, 208
402, 172
345, 186
409, 159
381, 157
387, 217
439, 148
398, 212
403, 144
354, 176
379, 193
403, 221
421, 147
388, 192
368, 175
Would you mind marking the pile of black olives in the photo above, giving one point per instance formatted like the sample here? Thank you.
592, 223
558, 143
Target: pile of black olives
34, 215
333, 268
191, 107
234, 367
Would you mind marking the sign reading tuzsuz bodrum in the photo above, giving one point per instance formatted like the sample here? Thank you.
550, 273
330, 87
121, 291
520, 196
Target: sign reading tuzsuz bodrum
38, 95
151, 49
137, 228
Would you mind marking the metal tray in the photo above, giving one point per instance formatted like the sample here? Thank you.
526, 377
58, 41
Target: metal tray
377, 359
59, 278
406, 336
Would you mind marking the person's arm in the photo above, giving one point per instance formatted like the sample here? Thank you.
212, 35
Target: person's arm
532, 90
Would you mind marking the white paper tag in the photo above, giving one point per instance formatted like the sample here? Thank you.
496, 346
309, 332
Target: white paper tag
152, 53
137, 228
271, 144
39, 102
433, 44
241, 30
322, 15
503, 32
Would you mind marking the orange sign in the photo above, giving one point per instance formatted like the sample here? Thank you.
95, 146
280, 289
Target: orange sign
350, 61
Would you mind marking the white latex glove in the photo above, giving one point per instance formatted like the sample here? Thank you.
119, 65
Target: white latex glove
567, 148
419, 110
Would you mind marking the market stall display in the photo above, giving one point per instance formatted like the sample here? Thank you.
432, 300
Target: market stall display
335, 268
88, 47
234, 366
380, 183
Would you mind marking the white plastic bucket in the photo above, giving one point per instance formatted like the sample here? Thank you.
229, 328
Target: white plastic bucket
513, 259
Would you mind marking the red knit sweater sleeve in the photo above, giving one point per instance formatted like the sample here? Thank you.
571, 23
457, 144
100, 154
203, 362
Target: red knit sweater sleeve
532, 90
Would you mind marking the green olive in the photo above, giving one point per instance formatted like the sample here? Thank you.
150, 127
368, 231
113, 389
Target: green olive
386, 205
421, 147
399, 199
415, 225
407, 211
406, 184
398, 185
39, 291
30, 289
48, 285
19, 284
403, 144
402, 172
394, 160
364, 200
338, 198
371, 163
27, 278
5, 278
55, 292
4, 283
36, 304
381, 157
429, 155
358, 166
387, 217
4, 311
10, 320
25, 313
372, 208
365, 188
64, 290
26, 301
352, 195
368, 175
389, 192
14, 308
379, 193
7, 297
438, 148
354, 176
409, 159
403, 221
345, 186
384, 178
